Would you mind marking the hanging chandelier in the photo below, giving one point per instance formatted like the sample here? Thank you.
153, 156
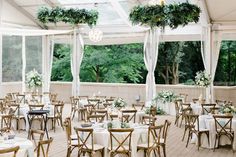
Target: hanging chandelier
95, 35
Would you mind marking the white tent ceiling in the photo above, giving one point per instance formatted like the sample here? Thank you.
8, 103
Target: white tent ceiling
113, 19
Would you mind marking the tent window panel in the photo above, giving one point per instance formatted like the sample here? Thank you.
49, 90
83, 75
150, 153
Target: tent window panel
33, 50
11, 58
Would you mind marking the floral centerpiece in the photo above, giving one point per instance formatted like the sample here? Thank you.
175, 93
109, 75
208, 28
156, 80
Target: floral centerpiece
119, 103
202, 79
166, 96
33, 79
159, 111
227, 109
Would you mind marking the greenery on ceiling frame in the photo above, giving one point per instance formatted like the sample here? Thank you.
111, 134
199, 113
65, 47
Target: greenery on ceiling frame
72, 16
172, 15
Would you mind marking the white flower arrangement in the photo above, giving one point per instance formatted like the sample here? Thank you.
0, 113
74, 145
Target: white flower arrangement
166, 96
119, 103
33, 79
203, 79
228, 109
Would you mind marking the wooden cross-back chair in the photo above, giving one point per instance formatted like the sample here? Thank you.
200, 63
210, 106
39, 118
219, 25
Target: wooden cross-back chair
36, 98
6, 121
223, 126
178, 111
72, 141
84, 146
76, 107
148, 120
164, 136
36, 117
186, 112
109, 100
98, 118
193, 126
36, 136
106, 104
15, 111
95, 102
8, 151
124, 144
42, 145
206, 108
20, 98
100, 112
139, 106
3, 106
153, 142
57, 114
185, 108
196, 100
129, 116
183, 96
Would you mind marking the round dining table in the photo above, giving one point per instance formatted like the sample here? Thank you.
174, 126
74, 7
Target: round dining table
101, 136
26, 146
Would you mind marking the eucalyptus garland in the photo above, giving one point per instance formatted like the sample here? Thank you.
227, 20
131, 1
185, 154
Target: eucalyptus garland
171, 15
71, 16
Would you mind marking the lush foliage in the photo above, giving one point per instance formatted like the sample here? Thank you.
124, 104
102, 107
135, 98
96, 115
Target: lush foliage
119, 103
72, 16
33, 79
202, 79
166, 96
227, 109
171, 15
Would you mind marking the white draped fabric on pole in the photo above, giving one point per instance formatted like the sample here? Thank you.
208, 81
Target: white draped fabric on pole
76, 60
211, 43
150, 60
48, 50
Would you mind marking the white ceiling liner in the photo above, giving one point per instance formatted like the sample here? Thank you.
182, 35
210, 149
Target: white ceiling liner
30, 32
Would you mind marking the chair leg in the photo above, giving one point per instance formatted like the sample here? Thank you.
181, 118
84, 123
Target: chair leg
198, 141
189, 135
68, 152
181, 122
185, 130
164, 149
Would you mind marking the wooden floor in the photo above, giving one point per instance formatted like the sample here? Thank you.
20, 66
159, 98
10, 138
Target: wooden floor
175, 147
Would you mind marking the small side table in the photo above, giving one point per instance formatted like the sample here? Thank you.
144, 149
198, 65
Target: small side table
43, 114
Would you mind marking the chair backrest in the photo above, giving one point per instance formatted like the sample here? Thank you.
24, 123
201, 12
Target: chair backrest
100, 112
84, 135
192, 122
214, 110
153, 111
94, 101
37, 98
109, 100
36, 107
36, 136
129, 115
20, 98
114, 138
97, 118
165, 130
148, 120
15, 109
223, 124
138, 106
6, 121
41, 147
178, 106
154, 136
67, 125
196, 100
58, 108
13, 150
106, 104
183, 96
206, 108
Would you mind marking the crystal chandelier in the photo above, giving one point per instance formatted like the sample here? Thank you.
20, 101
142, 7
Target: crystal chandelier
95, 35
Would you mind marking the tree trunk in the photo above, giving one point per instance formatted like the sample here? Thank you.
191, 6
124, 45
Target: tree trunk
97, 74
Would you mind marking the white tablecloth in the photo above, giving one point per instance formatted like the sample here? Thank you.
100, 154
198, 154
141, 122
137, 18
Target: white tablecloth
139, 135
207, 122
26, 147
169, 108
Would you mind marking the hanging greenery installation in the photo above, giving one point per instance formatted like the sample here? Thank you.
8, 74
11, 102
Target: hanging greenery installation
72, 16
172, 15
